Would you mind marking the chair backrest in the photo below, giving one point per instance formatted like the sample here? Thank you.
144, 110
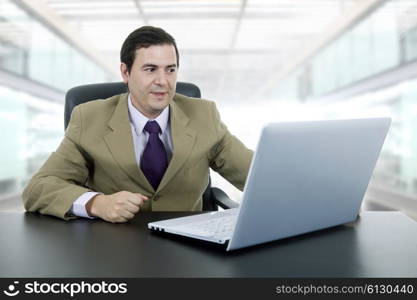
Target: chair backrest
85, 93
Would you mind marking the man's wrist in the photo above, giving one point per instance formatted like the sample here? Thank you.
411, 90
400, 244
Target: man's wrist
91, 205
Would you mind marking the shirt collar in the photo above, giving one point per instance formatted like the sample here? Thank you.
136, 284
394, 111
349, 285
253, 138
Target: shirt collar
139, 120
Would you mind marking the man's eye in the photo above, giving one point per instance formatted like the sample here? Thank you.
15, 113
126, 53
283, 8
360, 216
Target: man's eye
172, 70
150, 69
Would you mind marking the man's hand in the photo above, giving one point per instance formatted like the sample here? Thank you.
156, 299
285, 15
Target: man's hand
116, 208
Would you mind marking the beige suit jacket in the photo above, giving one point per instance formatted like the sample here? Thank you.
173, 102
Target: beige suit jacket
97, 154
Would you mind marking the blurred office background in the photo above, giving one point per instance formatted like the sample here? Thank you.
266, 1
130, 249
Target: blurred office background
260, 60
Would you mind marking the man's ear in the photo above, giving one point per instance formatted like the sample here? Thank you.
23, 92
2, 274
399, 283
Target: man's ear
124, 72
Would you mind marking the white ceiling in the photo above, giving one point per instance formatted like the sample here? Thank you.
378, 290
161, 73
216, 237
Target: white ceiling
225, 45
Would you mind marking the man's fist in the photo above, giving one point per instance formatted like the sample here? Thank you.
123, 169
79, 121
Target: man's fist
115, 208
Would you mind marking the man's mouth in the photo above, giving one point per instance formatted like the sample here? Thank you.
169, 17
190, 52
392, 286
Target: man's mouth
158, 94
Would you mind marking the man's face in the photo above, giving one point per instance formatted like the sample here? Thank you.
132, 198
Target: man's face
152, 78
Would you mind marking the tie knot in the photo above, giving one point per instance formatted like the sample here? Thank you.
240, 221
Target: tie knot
152, 127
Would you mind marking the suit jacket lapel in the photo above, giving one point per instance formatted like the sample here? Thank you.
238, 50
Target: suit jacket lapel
183, 139
120, 143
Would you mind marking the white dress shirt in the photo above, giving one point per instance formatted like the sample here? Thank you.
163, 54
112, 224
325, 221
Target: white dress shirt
140, 139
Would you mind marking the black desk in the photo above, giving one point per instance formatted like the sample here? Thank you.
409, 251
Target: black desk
379, 244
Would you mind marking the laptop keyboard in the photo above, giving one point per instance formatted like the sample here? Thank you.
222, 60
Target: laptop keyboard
217, 227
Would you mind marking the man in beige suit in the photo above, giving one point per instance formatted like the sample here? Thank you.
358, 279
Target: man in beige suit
146, 150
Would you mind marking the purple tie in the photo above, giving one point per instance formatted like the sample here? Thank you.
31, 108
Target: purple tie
154, 160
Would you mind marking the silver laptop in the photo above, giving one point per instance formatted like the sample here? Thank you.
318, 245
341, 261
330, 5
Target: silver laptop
304, 176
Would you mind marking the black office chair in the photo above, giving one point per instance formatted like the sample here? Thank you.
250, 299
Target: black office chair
212, 197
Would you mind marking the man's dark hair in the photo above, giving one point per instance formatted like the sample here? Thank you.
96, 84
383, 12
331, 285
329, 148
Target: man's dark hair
144, 37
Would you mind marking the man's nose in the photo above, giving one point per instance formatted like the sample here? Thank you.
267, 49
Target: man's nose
160, 78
